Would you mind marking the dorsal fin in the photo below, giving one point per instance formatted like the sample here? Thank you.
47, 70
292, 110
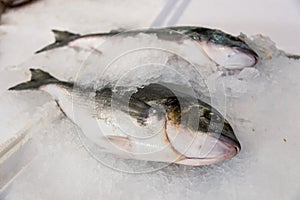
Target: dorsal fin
61, 36
119, 30
61, 39
40, 75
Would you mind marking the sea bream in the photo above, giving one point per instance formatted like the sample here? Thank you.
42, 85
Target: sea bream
154, 123
221, 48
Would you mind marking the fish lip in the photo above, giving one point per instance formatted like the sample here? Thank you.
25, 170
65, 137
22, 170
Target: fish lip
226, 135
227, 154
230, 142
232, 148
230, 152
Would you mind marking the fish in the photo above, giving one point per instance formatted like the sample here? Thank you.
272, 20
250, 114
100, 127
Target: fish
221, 48
154, 123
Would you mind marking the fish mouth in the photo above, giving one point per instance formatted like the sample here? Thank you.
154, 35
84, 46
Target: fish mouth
227, 145
226, 150
228, 137
216, 147
231, 147
227, 153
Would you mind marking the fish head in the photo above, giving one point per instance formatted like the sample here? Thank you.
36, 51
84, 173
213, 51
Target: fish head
200, 134
226, 50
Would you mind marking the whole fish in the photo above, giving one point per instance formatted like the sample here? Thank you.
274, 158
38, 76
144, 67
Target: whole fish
223, 49
154, 123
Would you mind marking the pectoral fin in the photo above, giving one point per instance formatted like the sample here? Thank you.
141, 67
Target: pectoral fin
121, 142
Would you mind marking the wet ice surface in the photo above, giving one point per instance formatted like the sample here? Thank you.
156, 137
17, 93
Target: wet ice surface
262, 104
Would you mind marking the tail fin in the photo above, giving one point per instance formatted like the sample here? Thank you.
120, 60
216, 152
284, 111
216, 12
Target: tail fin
38, 78
61, 39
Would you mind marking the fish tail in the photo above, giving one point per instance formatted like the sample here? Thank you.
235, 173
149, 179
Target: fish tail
61, 39
38, 78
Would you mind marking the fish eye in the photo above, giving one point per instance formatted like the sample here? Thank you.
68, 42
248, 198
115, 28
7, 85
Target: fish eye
242, 46
212, 116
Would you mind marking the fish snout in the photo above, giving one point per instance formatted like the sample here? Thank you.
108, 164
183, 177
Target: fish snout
230, 57
248, 52
227, 136
226, 145
203, 148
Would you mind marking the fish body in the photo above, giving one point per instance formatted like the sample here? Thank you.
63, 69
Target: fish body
154, 123
223, 49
